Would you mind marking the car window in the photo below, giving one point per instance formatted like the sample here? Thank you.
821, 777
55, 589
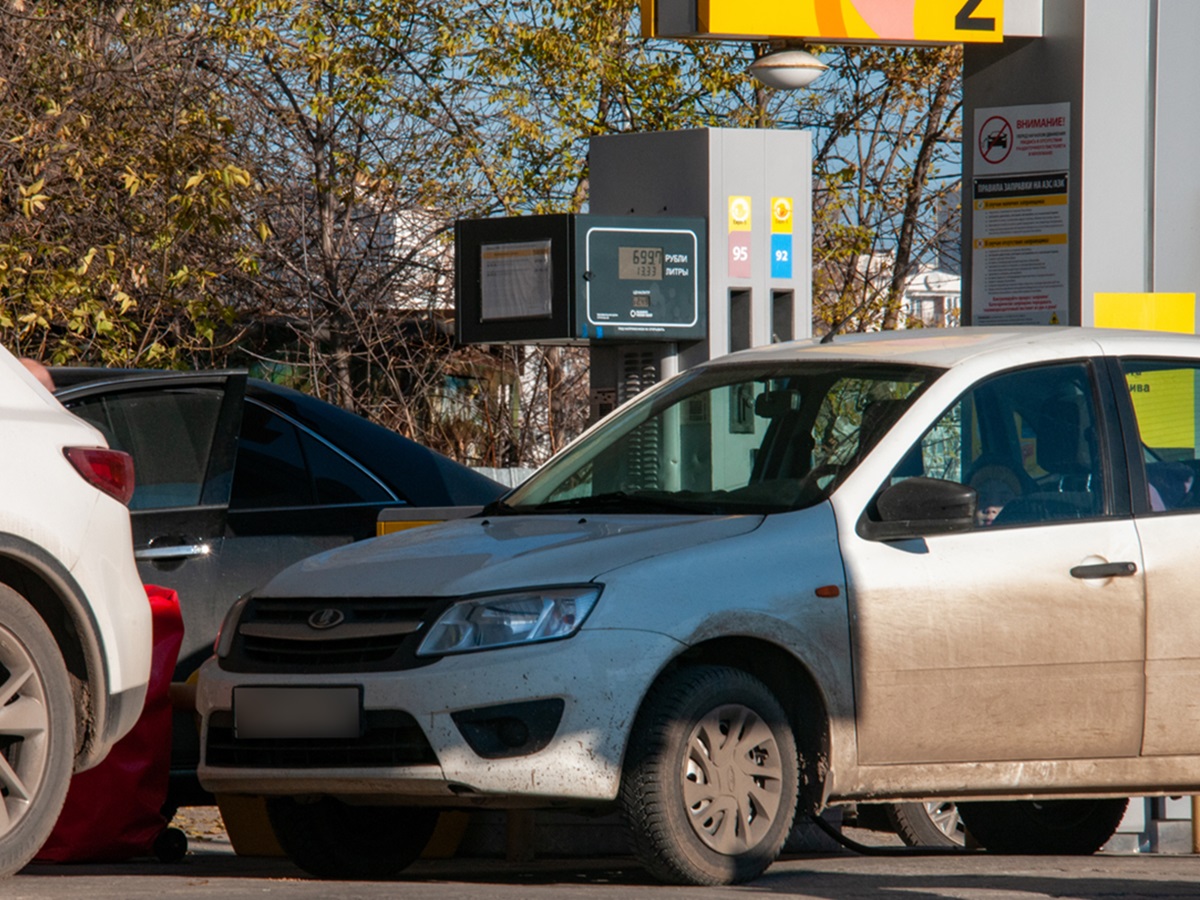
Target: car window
1164, 399
169, 433
734, 439
1026, 441
281, 465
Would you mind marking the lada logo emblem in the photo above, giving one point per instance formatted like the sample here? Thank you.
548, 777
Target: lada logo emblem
326, 618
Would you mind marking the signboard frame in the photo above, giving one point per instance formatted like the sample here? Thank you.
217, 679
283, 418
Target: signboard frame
569, 280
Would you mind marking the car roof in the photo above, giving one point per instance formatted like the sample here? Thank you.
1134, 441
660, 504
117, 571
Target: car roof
949, 347
424, 476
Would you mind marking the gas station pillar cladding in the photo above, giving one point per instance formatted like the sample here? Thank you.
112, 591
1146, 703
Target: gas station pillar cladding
1079, 162
754, 188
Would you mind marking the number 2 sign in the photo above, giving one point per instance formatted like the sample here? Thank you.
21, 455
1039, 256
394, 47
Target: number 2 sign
831, 21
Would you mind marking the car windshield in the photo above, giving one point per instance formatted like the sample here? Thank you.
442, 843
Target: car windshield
730, 439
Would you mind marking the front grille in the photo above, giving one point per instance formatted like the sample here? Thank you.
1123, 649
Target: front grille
372, 634
389, 738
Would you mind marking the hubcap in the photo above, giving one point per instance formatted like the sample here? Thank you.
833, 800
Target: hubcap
944, 816
24, 731
732, 779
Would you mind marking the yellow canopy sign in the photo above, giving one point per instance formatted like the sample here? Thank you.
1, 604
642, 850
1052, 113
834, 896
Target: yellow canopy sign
829, 21
1164, 400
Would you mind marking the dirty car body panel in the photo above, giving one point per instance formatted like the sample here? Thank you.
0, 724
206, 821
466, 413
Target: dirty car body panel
930, 550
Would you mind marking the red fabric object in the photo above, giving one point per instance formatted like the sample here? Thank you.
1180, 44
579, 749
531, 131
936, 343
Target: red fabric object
114, 810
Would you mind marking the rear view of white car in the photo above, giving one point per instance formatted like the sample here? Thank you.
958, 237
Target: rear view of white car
75, 629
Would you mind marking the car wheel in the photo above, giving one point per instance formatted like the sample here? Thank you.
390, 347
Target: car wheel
934, 824
1050, 827
331, 839
37, 732
709, 788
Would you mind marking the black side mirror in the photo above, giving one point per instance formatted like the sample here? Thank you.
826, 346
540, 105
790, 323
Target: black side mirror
917, 507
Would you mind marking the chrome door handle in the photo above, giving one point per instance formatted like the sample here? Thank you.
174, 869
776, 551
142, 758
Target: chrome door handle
172, 551
1105, 570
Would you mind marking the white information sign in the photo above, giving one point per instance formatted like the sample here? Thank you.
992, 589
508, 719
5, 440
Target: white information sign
1020, 213
515, 281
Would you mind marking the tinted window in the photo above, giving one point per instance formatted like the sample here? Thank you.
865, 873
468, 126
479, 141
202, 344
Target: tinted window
270, 469
1164, 397
1026, 441
338, 480
169, 433
280, 465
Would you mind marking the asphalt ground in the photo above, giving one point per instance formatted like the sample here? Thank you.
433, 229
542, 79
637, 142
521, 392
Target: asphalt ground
211, 869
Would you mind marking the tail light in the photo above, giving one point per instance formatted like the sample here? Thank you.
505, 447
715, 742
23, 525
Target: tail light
109, 470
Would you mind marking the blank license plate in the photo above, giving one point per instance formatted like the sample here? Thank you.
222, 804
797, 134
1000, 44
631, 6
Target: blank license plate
284, 712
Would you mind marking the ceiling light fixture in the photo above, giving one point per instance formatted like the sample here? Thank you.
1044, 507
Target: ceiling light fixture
788, 69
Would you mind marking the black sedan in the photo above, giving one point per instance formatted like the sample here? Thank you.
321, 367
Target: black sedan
238, 478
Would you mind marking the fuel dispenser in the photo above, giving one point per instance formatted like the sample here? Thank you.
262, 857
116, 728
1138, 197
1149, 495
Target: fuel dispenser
696, 243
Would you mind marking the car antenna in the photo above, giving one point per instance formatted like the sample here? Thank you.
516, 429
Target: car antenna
837, 326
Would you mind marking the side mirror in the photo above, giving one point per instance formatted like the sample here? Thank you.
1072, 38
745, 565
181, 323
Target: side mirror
917, 507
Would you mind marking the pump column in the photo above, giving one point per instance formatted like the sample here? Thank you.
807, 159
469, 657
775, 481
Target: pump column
753, 186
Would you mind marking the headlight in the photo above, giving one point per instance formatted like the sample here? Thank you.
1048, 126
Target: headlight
501, 620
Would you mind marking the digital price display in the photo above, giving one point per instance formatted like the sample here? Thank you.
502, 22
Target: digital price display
643, 280
640, 263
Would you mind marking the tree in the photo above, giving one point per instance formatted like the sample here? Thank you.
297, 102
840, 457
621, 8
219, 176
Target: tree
887, 125
119, 203
279, 182
374, 128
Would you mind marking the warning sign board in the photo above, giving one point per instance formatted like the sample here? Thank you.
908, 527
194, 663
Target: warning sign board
1020, 215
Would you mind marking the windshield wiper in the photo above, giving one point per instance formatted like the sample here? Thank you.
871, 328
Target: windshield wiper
498, 508
622, 501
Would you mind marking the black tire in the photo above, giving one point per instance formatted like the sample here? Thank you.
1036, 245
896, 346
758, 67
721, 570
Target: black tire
679, 788
331, 839
171, 845
1043, 827
934, 824
37, 731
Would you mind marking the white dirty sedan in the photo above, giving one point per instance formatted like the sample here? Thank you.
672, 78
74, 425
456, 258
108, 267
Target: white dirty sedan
902, 567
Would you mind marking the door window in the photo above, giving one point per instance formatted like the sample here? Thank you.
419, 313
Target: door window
1164, 399
1026, 441
281, 465
169, 434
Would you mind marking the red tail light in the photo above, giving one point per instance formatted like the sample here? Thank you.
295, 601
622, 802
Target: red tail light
109, 470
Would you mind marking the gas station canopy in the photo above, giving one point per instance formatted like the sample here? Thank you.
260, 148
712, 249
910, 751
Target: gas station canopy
844, 21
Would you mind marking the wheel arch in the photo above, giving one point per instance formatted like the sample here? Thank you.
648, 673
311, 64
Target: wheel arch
793, 686
58, 599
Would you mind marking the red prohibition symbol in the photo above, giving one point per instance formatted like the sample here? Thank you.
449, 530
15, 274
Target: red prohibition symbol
995, 140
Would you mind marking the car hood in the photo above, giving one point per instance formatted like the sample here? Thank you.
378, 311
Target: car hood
488, 554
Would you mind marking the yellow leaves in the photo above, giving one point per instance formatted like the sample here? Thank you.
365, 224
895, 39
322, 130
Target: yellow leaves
228, 176
234, 176
31, 199
131, 180
86, 262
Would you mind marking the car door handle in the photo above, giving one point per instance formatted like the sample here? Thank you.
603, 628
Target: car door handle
172, 551
1105, 570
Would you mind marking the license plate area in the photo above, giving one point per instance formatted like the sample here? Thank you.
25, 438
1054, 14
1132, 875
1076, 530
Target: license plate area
297, 712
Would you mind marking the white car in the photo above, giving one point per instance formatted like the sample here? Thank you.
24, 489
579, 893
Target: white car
75, 626
920, 566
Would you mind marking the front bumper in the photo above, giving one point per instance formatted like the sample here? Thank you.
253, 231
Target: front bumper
599, 676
